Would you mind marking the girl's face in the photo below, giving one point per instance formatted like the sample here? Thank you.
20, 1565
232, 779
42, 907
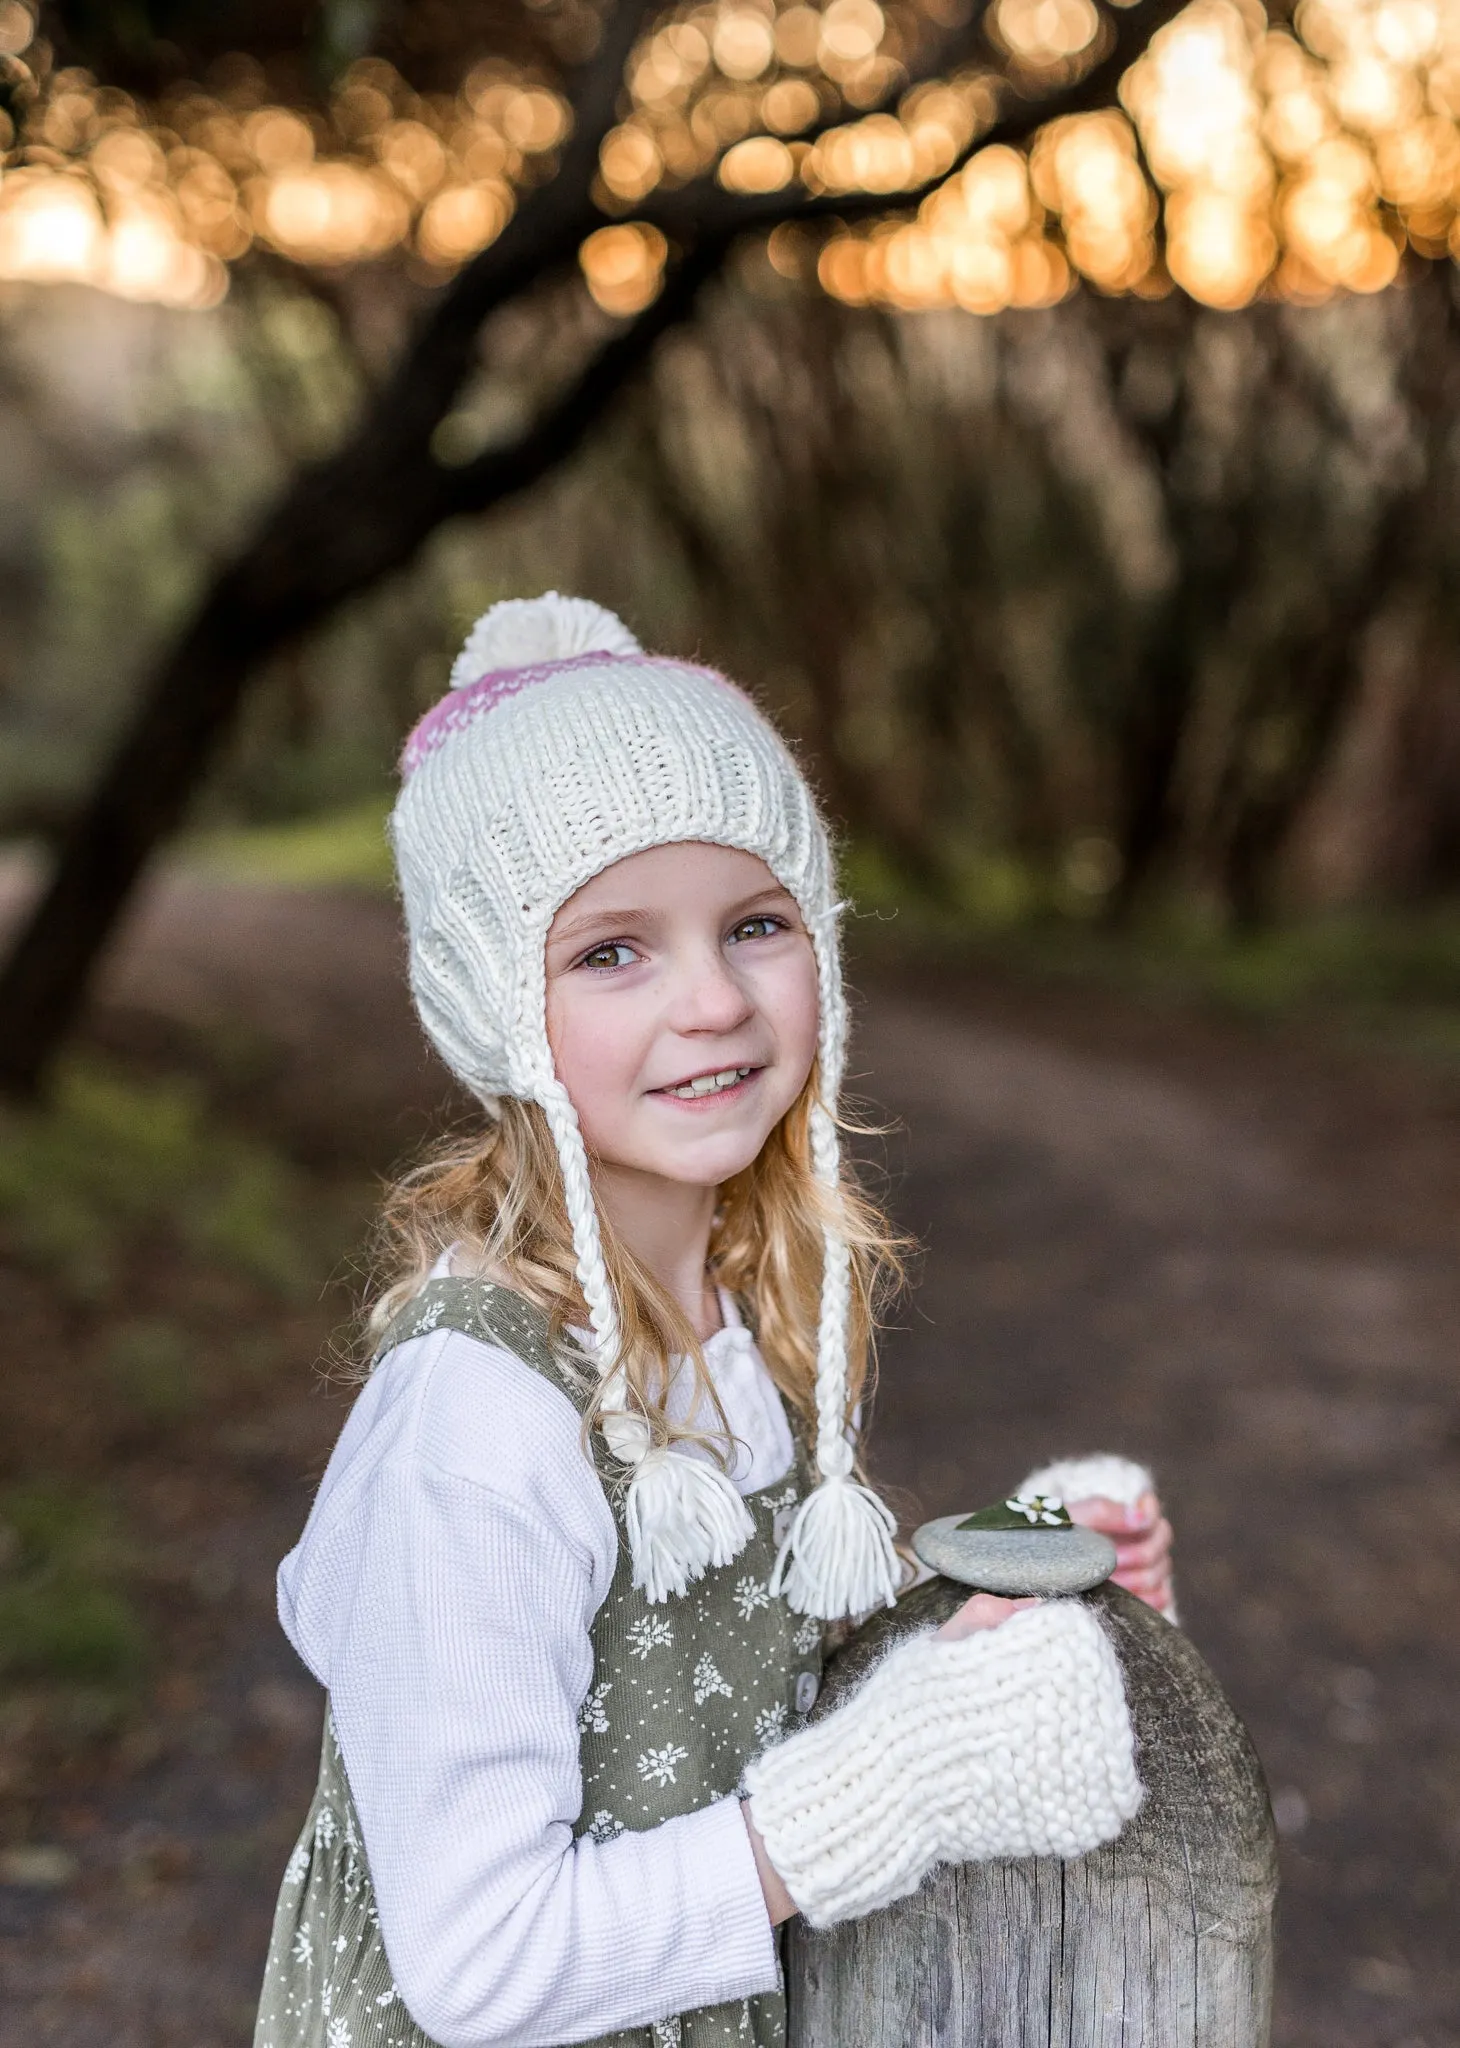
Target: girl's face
681, 1010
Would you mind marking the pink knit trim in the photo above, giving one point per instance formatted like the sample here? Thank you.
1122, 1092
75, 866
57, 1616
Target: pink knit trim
462, 707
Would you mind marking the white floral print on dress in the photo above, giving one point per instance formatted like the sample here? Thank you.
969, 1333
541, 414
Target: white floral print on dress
297, 1867
603, 1827
650, 1632
749, 1595
592, 1715
770, 1724
808, 1635
667, 2033
303, 1946
708, 1678
326, 1827
338, 2035
661, 1764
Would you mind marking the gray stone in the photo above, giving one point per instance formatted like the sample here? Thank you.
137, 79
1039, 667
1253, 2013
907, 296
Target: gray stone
1016, 1561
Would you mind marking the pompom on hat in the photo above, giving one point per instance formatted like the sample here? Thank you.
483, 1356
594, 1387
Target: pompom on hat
561, 748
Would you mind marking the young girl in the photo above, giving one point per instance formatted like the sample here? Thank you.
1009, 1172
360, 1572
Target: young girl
567, 1574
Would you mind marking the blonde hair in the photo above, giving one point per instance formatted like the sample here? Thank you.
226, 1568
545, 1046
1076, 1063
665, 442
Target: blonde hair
497, 1194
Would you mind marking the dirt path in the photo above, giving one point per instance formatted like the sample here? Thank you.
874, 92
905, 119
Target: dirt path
1233, 1254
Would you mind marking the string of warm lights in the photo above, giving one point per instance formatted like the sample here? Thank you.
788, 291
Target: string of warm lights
1243, 158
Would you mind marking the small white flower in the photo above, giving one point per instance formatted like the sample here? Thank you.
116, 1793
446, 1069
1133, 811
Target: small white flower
667, 2033
326, 1827
388, 1997
709, 1678
650, 1632
661, 1764
592, 1715
808, 1635
1038, 1508
297, 1866
303, 1946
337, 2035
770, 1724
430, 1317
603, 1827
749, 1595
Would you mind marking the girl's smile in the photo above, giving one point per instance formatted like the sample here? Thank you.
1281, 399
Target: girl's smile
701, 1090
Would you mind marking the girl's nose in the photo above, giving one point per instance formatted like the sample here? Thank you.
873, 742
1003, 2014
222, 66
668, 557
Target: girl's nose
708, 997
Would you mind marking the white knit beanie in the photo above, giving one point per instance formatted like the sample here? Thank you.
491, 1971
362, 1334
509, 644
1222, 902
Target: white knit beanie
561, 748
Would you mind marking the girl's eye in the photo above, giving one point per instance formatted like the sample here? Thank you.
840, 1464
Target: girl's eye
612, 953
758, 927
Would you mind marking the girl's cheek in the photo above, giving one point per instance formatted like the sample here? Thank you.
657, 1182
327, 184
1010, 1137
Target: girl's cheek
595, 1062
791, 1001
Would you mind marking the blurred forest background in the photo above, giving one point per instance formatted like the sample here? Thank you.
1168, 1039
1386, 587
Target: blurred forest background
1050, 409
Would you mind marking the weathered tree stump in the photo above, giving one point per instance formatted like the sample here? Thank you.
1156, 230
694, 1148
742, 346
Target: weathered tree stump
1162, 1938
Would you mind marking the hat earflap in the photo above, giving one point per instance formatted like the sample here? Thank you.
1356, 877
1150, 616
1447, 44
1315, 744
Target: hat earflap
838, 1557
683, 1515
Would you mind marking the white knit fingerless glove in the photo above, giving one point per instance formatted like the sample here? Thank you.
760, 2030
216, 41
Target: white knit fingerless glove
1102, 1476
1013, 1742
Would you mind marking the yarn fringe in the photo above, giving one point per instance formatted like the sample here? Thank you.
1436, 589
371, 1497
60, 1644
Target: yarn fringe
683, 1517
838, 1557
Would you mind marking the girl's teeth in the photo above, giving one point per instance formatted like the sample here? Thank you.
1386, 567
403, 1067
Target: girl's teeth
710, 1084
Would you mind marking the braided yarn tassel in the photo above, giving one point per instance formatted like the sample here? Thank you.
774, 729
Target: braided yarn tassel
683, 1514
838, 1557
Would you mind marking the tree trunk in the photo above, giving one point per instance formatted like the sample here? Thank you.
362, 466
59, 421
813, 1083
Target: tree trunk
1161, 1939
340, 528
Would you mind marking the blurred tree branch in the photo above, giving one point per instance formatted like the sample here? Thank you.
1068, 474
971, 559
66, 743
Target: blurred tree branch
349, 520
1099, 589
1290, 702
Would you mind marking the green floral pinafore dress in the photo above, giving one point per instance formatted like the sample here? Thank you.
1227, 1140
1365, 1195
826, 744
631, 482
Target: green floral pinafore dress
683, 1695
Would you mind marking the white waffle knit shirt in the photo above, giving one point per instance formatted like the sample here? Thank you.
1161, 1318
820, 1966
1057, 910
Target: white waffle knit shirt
443, 1592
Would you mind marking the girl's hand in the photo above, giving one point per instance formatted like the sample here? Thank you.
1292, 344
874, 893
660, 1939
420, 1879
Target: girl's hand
1142, 1538
984, 1610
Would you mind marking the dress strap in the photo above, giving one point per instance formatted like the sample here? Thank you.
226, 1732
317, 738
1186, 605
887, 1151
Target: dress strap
493, 1315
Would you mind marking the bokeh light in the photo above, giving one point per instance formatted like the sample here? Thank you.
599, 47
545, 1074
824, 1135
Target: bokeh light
624, 266
155, 203
1243, 158
1043, 33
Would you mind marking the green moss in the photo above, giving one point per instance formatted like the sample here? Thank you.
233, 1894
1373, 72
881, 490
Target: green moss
1394, 973
149, 1364
345, 848
108, 1164
62, 1616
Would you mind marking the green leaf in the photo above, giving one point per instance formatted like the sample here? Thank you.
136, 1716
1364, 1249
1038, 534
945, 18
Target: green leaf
1002, 1516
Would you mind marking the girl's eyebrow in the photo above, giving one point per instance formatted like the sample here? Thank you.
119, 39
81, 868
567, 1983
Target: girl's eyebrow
610, 919
601, 921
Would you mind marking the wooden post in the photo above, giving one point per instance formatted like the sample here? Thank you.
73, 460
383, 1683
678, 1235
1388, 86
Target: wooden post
1162, 1938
